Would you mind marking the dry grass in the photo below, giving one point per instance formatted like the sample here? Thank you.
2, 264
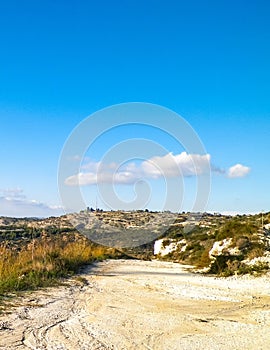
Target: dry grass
44, 261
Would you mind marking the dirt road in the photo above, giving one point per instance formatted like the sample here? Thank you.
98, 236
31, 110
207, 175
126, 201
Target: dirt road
129, 304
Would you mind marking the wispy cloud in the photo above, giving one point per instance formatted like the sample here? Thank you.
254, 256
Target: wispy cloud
12, 193
13, 202
168, 166
217, 170
238, 170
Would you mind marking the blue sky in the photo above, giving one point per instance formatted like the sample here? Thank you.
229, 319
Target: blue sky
61, 61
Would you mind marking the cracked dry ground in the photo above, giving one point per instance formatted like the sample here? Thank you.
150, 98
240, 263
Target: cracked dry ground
130, 304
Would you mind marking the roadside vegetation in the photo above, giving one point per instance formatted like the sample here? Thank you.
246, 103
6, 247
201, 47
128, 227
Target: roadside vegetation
245, 235
45, 262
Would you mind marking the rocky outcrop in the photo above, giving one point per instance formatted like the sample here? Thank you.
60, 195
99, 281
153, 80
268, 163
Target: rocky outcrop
165, 246
223, 247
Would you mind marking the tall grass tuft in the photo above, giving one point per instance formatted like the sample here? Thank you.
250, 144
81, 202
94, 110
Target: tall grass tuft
44, 261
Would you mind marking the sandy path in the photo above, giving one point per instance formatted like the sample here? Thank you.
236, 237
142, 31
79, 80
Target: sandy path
129, 304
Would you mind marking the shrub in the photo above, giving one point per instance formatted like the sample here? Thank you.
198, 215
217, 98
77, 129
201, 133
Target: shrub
255, 269
204, 259
235, 229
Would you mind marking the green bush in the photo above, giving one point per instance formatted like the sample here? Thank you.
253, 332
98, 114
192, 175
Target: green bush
235, 229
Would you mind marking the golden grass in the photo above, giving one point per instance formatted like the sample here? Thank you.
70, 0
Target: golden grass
44, 261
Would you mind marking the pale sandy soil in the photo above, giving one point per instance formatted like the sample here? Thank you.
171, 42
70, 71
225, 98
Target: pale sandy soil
129, 304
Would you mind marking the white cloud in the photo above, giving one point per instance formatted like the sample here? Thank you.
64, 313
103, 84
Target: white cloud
238, 170
92, 178
169, 165
174, 165
14, 203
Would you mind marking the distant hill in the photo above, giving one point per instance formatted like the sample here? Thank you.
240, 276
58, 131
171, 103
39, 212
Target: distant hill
213, 243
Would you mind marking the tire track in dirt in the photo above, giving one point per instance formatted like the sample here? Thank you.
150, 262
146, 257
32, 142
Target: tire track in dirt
128, 304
